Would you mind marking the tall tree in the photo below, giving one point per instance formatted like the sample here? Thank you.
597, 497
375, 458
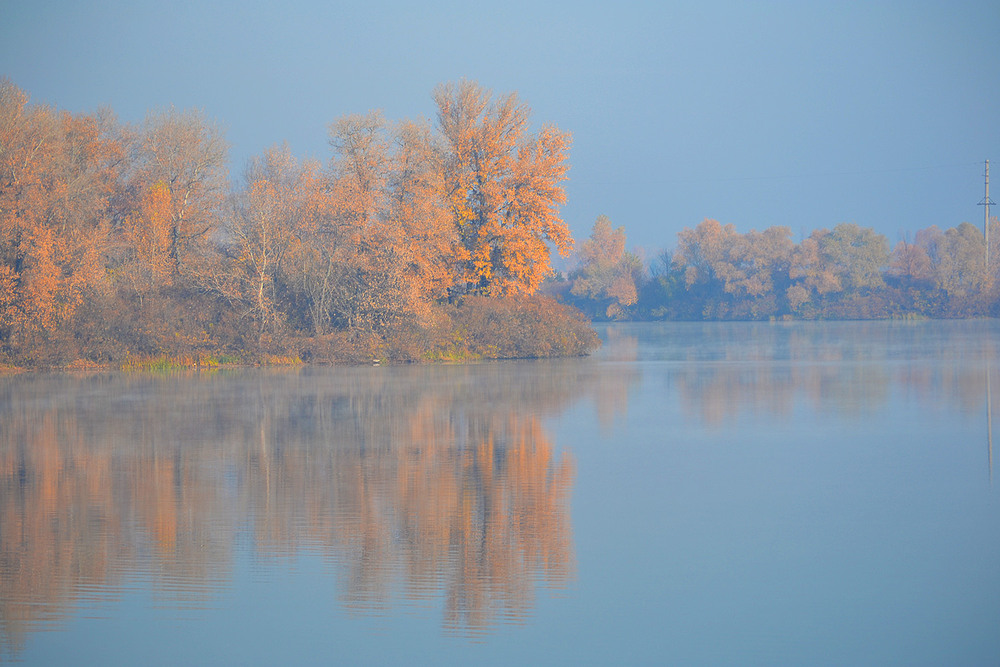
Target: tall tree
910, 264
811, 271
186, 154
419, 211
700, 254
503, 184
757, 262
265, 217
146, 264
700, 251
608, 273
371, 292
960, 269
858, 255
58, 172
280, 231
735, 275
848, 260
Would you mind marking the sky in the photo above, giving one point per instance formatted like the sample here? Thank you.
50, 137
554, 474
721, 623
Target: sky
802, 114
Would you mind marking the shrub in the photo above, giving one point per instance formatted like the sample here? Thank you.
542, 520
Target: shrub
515, 328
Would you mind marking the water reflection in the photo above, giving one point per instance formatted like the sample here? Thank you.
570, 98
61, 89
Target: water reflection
434, 487
989, 416
722, 371
437, 484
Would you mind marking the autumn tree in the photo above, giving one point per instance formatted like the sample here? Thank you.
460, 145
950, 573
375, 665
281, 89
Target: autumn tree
369, 287
811, 273
121, 239
910, 263
274, 209
608, 273
960, 269
503, 185
700, 251
848, 260
758, 261
419, 211
146, 263
58, 172
752, 266
351, 264
185, 154
29, 137
857, 256
734, 275
910, 275
165, 241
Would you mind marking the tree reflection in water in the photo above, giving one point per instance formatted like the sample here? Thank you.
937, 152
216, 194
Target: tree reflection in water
721, 371
432, 484
417, 483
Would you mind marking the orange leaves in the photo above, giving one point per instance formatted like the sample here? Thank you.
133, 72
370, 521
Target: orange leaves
420, 210
147, 232
504, 187
30, 296
360, 169
39, 278
745, 264
188, 154
811, 270
145, 264
8, 295
701, 250
277, 209
607, 271
733, 274
848, 259
136, 221
58, 173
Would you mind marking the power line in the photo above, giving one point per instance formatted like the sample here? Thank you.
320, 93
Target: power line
780, 177
853, 172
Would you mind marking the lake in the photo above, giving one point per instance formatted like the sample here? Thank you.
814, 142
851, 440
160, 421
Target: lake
744, 493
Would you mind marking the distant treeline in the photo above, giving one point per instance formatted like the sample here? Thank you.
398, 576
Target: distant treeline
124, 243
849, 272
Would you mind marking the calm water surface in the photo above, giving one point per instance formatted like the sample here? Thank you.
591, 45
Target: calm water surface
692, 494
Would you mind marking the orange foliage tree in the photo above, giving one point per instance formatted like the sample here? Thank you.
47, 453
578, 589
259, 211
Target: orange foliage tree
419, 211
187, 155
381, 250
503, 185
848, 259
702, 250
371, 292
608, 273
141, 225
276, 209
147, 263
57, 174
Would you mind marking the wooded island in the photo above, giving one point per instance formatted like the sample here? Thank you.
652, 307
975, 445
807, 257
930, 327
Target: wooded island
848, 272
130, 246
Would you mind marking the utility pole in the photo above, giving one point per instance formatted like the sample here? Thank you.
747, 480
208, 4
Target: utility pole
986, 224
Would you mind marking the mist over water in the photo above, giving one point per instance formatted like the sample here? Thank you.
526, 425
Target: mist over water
796, 493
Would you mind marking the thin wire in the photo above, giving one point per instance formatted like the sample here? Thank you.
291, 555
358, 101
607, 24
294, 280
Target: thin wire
858, 172
777, 177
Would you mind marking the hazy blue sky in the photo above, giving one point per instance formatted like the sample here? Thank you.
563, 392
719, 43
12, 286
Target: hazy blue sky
803, 114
